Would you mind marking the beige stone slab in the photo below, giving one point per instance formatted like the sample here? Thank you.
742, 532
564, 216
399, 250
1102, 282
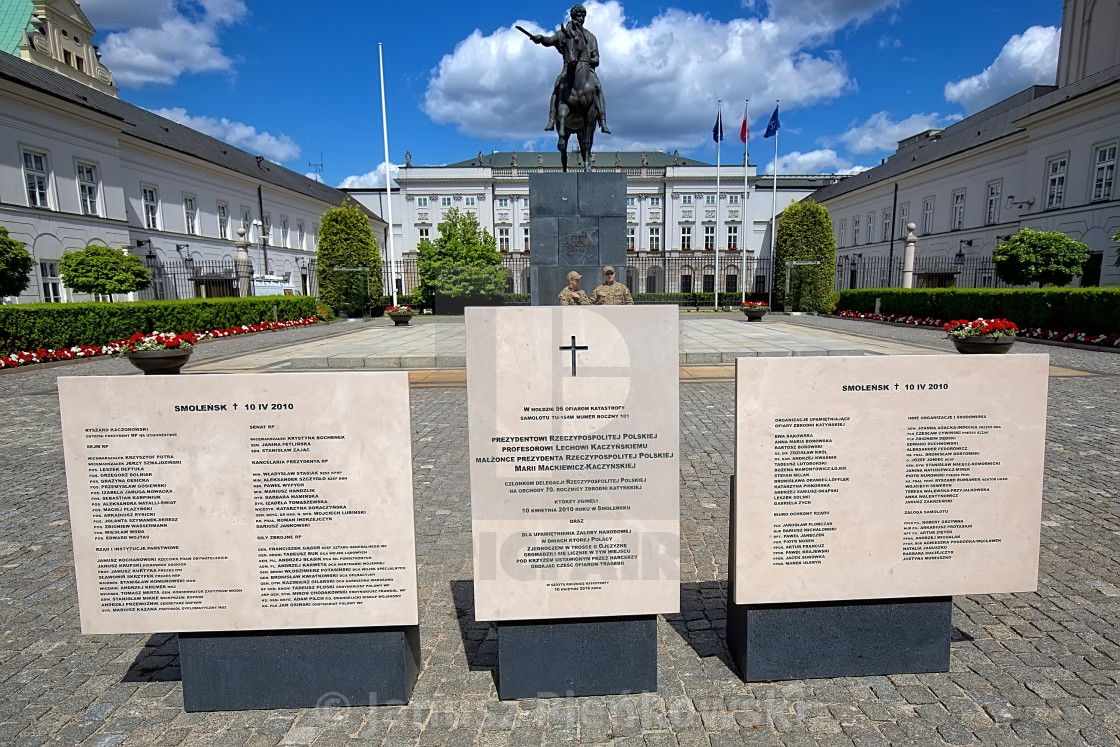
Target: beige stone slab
240, 502
887, 477
574, 479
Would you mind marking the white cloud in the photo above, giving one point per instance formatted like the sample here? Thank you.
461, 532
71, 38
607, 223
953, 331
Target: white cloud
278, 148
370, 179
823, 161
1028, 59
315, 176
661, 80
882, 133
889, 42
156, 42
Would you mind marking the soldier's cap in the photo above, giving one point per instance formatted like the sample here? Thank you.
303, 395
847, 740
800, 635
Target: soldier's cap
573, 275
608, 270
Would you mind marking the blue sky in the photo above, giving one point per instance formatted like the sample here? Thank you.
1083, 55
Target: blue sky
291, 80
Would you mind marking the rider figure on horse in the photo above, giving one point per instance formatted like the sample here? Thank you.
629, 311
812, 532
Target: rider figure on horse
576, 44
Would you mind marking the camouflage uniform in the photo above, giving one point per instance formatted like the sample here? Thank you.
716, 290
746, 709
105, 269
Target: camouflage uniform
615, 294
566, 298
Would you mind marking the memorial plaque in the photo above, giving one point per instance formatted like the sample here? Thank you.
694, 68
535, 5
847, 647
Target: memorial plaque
574, 461
892, 477
241, 502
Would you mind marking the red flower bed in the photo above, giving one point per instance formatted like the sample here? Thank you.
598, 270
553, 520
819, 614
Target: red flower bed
167, 339
1037, 333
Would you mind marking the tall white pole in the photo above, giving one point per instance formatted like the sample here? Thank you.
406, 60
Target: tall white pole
388, 179
719, 138
774, 214
746, 202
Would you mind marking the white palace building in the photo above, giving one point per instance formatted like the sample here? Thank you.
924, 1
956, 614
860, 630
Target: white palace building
672, 211
79, 166
1045, 159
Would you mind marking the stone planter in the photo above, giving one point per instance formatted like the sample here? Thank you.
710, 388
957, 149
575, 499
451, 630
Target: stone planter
160, 362
983, 345
400, 319
754, 315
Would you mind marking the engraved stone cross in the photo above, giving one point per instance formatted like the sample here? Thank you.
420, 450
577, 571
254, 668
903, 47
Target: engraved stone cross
573, 347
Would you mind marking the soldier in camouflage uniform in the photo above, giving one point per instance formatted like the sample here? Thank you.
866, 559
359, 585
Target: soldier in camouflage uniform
611, 293
572, 295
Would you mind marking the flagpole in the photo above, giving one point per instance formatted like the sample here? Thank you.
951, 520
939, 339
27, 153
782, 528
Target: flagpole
388, 178
746, 201
719, 138
774, 214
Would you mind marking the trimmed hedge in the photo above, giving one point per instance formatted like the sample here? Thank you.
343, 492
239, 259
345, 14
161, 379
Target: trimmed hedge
63, 325
1084, 309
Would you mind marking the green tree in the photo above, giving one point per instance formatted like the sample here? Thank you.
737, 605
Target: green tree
1043, 257
15, 265
463, 263
346, 240
805, 235
104, 270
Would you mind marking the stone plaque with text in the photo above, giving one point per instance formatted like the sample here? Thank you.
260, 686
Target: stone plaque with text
888, 477
240, 502
574, 461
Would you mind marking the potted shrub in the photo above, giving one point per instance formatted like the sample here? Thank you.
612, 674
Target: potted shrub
981, 335
754, 310
160, 352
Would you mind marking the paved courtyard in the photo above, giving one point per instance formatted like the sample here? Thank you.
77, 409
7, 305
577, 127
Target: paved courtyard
1040, 668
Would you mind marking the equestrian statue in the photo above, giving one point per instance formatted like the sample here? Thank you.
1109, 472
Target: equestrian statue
577, 97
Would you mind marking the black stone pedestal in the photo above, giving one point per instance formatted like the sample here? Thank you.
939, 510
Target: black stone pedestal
578, 222
850, 638
567, 658
299, 668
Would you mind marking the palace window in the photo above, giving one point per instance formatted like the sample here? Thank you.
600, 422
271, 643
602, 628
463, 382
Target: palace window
51, 281
1055, 182
991, 208
709, 199
525, 238
1104, 172
503, 239
654, 202
503, 202
654, 239
927, 216
958, 210
284, 232
630, 238
469, 201
855, 230
732, 237
842, 233
686, 237
190, 214
223, 220
733, 199
686, 199
150, 198
422, 234
445, 201
903, 218
246, 219
631, 201
35, 175
709, 238
421, 202
886, 225
87, 188
299, 234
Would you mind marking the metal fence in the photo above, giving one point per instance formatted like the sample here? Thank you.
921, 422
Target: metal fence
929, 272
179, 279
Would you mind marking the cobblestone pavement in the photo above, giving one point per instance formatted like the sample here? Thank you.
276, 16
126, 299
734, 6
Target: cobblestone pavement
1038, 668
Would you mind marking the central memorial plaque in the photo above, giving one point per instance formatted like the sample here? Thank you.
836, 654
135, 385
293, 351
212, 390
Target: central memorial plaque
574, 492
574, 464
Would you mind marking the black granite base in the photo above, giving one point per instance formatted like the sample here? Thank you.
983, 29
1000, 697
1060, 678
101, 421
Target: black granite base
851, 638
299, 668
839, 639
568, 658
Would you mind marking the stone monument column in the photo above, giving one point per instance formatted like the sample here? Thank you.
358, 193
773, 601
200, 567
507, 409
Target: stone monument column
578, 222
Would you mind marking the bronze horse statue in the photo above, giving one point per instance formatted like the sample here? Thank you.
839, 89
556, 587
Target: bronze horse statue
577, 112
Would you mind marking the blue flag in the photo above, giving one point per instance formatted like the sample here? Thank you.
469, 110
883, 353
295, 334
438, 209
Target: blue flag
772, 128
717, 131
